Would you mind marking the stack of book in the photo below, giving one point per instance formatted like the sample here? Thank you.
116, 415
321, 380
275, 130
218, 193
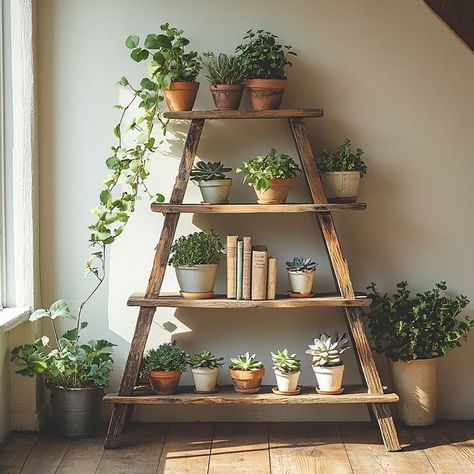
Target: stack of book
251, 273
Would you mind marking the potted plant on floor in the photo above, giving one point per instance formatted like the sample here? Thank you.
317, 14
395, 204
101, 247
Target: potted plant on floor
247, 373
341, 171
226, 76
264, 61
210, 177
205, 370
75, 373
414, 332
271, 176
195, 258
327, 364
301, 272
164, 367
287, 369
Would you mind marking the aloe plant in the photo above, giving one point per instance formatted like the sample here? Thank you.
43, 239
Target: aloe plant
205, 360
285, 362
245, 362
203, 171
301, 264
224, 69
326, 351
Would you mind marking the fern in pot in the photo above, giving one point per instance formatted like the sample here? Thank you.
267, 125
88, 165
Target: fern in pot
301, 272
211, 179
287, 370
205, 369
246, 373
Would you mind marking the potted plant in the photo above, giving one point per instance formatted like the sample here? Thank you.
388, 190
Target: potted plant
327, 364
210, 177
341, 171
287, 369
264, 61
301, 272
205, 370
414, 332
164, 367
226, 76
247, 373
270, 175
75, 373
195, 258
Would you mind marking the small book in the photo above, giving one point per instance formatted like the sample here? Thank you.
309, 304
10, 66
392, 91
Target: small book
240, 267
231, 266
272, 278
259, 274
247, 270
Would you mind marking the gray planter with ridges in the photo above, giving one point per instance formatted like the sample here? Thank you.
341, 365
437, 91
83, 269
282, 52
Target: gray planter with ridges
216, 191
197, 279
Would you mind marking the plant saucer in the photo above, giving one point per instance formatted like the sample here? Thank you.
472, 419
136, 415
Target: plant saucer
248, 391
330, 392
293, 294
203, 392
278, 392
197, 296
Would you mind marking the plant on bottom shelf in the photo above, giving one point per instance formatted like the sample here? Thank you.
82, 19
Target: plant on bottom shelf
247, 373
205, 369
210, 177
287, 369
301, 272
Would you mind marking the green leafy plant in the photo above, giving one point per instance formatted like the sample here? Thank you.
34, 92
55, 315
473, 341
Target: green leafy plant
285, 362
205, 360
343, 159
260, 170
245, 362
262, 57
167, 357
196, 249
203, 171
224, 69
326, 351
406, 328
301, 264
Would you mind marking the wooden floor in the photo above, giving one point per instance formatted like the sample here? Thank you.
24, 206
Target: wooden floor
333, 448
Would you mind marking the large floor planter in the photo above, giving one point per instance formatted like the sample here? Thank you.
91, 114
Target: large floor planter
301, 282
215, 191
76, 411
205, 379
287, 381
164, 382
416, 383
277, 193
266, 94
197, 279
329, 378
247, 381
181, 96
227, 96
341, 186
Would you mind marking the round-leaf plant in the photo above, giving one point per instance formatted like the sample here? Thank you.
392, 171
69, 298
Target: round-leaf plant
199, 248
343, 159
167, 357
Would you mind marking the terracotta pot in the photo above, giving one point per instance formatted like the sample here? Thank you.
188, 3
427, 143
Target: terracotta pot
301, 282
266, 94
227, 96
247, 381
181, 95
341, 186
164, 382
277, 193
329, 378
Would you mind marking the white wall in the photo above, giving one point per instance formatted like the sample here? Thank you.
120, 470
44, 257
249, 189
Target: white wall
389, 75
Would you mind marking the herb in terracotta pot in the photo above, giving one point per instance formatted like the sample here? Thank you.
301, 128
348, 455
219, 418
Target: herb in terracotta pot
270, 175
287, 369
341, 172
264, 61
205, 369
301, 272
210, 177
247, 373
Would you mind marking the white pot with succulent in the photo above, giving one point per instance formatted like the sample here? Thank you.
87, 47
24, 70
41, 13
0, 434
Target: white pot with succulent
205, 370
210, 177
301, 272
287, 370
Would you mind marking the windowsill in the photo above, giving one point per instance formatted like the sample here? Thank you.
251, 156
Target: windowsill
12, 317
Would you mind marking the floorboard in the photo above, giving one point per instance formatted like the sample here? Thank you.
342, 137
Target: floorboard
15, 453
82, 456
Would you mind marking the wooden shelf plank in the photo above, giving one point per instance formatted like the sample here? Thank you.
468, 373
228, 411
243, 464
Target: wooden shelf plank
203, 208
226, 395
244, 114
220, 301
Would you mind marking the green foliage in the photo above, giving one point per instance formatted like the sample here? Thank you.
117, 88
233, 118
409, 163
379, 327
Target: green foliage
245, 362
262, 57
343, 159
196, 249
326, 351
301, 264
203, 171
167, 357
205, 360
224, 69
406, 328
59, 309
285, 362
260, 170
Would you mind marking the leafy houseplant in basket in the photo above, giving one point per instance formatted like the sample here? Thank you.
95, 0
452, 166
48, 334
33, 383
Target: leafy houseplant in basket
341, 171
210, 177
270, 175
75, 373
413, 332
247, 373
264, 61
327, 364
301, 272
205, 370
287, 369
195, 258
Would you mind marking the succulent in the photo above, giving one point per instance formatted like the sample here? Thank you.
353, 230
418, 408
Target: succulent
224, 69
205, 360
167, 357
203, 171
301, 264
285, 362
326, 351
245, 362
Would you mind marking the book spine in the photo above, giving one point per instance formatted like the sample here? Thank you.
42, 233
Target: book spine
259, 274
240, 267
231, 266
272, 278
247, 270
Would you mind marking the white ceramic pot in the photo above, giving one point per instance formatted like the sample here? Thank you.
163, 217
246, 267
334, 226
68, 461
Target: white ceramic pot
205, 379
329, 378
341, 186
215, 191
301, 282
287, 381
197, 279
416, 383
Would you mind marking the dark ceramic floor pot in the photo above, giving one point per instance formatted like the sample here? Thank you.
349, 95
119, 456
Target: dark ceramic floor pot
266, 94
227, 96
76, 411
164, 382
247, 381
180, 96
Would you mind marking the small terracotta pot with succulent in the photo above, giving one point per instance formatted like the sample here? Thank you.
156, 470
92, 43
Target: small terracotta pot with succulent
247, 373
205, 369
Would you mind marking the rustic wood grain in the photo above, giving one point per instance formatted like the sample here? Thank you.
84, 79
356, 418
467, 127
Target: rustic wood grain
82, 456
14, 454
46, 455
243, 114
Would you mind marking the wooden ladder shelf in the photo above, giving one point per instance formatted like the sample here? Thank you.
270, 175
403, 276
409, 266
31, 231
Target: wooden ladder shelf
371, 393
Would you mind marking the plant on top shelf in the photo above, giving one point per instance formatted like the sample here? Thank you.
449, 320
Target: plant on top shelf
264, 60
327, 363
205, 369
270, 175
210, 177
247, 373
287, 369
341, 171
195, 258
226, 76
301, 272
